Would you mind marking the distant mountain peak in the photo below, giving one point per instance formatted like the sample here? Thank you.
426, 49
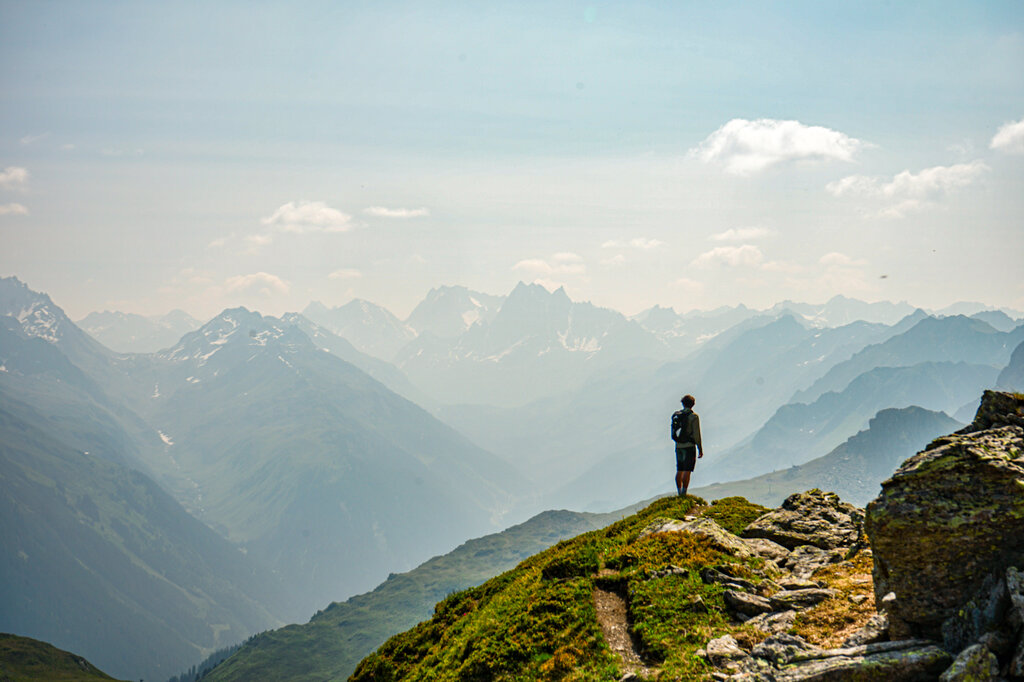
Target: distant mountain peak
235, 327
35, 312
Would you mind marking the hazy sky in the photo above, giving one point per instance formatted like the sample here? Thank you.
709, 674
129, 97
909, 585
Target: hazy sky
207, 154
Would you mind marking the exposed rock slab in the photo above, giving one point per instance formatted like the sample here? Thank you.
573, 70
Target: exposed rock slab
786, 658
806, 559
875, 630
705, 527
813, 518
799, 599
775, 623
763, 547
746, 604
949, 517
974, 664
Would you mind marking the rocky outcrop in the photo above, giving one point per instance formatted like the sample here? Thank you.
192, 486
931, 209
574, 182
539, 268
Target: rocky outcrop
787, 658
950, 518
813, 518
997, 409
704, 527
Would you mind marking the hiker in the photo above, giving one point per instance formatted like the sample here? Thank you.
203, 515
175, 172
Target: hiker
686, 434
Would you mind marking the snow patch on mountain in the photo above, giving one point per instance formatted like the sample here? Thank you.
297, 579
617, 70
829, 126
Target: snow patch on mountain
38, 320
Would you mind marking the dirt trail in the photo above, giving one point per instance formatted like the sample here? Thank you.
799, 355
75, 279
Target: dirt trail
612, 616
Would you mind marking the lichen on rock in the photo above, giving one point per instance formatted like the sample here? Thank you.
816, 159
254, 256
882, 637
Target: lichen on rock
815, 518
949, 517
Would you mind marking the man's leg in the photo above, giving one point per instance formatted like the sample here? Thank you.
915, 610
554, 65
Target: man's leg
679, 483
685, 475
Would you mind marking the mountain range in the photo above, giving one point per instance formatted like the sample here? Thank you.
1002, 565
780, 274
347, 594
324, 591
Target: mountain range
854, 469
256, 468
93, 553
297, 460
131, 333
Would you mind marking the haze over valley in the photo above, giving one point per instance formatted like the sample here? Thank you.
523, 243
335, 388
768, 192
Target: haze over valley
313, 314
291, 450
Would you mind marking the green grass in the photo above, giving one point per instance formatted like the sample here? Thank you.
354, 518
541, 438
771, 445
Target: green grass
333, 642
538, 622
28, 660
734, 513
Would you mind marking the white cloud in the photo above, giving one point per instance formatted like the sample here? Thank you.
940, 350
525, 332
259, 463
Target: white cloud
308, 216
638, 243
782, 266
219, 242
746, 255
345, 273
742, 234
932, 181
13, 209
745, 147
29, 139
260, 283
836, 259
615, 261
1009, 138
559, 264
13, 177
853, 185
382, 212
688, 285
909, 192
257, 240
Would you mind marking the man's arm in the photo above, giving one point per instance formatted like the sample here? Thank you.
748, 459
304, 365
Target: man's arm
696, 435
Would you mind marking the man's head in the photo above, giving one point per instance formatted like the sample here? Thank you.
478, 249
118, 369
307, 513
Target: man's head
688, 401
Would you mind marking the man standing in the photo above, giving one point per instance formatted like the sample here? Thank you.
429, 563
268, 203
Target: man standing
686, 434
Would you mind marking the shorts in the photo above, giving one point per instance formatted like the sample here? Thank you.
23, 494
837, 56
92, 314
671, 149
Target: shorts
686, 458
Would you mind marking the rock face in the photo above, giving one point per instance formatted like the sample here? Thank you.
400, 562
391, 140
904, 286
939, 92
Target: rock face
949, 518
785, 658
812, 518
704, 527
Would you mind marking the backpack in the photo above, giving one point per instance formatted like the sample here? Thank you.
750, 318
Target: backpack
681, 424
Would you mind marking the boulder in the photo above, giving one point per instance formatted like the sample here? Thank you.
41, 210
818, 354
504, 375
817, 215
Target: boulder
950, 517
806, 559
746, 604
794, 583
705, 527
784, 648
724, 650
997, 409
712, 575
875, 630
812, 518
767, 549
799, 599
974, 664
982, 613
787, 658
918, 662
774, 623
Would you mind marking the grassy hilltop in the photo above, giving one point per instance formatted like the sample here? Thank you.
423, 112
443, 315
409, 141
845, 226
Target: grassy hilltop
539, 620
23, 659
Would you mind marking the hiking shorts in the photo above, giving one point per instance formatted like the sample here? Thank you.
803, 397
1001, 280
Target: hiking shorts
686, 458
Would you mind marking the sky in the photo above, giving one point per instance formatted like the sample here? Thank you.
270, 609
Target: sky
202, 155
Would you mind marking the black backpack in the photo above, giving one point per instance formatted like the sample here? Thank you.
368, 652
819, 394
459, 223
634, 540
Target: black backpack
681, 425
